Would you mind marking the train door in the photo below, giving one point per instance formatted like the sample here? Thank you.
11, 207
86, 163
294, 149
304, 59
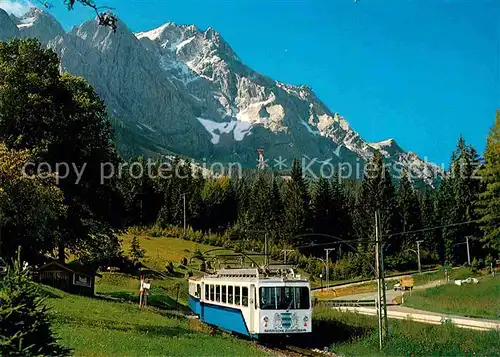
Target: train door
251, 307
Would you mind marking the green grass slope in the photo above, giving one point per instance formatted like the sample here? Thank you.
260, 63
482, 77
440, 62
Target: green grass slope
351, 334
474, 300
97, 327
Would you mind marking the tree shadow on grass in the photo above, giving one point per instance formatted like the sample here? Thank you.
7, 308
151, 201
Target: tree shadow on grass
49, 294
155, 330
158, 300
328, 332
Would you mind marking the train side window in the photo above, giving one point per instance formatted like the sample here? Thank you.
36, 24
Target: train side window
244, 296
206, 292
217, 293
198, 290
212, 295
224, 294
237, 296
229, 294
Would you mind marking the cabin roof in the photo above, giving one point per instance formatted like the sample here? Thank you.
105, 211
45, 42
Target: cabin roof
71, 268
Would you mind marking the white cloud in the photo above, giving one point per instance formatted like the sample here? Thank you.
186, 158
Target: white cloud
16, 7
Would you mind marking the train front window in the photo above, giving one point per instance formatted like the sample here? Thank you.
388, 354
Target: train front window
284, 298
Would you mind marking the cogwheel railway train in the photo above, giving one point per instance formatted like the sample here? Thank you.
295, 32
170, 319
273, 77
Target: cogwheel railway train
253, 302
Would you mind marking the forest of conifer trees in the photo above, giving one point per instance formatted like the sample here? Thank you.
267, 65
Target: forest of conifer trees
298, 212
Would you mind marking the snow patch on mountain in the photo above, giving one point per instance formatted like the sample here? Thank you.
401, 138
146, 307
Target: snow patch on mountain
238, 128
26, 22
153, 34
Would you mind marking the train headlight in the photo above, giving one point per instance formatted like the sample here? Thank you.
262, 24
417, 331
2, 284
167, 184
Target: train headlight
266, 319
306, 318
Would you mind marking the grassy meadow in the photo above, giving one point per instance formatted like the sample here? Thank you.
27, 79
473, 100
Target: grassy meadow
351, 334
160, 250
474, 300
112, 324
98, 327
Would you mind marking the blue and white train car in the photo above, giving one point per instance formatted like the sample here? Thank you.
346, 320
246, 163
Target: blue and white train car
250, 303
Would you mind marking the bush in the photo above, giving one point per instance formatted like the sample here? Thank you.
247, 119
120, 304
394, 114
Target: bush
183, 261
24, 321
203, 266
136, 252
169, 267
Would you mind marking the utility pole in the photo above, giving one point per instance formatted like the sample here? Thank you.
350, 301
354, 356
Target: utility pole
328, 250
381, 296
284, 254
418, 255
184, 203
266, 259
468, 251
377, 276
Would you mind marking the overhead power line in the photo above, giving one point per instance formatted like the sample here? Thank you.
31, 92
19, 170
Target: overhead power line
385, 235
436, 227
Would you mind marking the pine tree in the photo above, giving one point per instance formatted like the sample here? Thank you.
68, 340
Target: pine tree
25, 328
446, 206
322, 206
303, 188
458, 191
488, 205
276, 213
429, 220
409, 210
377, 193
294, 220
136, 252
260, 204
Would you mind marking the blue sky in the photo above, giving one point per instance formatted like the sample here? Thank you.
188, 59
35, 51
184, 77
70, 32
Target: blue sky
422, 71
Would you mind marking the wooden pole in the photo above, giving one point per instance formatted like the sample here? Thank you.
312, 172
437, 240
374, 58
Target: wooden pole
382, 315
377, 275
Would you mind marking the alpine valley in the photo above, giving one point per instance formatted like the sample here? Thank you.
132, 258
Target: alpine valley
179, 90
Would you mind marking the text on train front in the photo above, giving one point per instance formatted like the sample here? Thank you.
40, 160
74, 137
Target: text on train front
295, 302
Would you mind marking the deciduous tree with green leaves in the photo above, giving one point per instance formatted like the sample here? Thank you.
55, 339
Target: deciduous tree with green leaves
30, 206
61, 120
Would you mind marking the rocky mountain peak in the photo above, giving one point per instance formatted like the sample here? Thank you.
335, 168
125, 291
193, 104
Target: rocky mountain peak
8, 28
40, 24
178, 89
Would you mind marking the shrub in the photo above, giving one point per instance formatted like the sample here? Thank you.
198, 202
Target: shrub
136, 252
203, 266
24, 321
183, 261
169, 267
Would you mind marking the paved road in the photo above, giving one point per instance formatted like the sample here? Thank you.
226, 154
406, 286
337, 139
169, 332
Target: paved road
387, 278
390, 293
403, 313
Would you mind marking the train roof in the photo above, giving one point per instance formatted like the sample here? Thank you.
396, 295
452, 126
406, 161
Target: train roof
279, 274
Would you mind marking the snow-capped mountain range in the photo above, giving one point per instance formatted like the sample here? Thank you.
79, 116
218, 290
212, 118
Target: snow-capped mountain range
178, 89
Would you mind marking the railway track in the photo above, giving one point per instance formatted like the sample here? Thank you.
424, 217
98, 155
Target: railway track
294, 351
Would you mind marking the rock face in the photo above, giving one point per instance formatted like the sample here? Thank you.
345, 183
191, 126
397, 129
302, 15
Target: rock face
178, 89
8, 29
